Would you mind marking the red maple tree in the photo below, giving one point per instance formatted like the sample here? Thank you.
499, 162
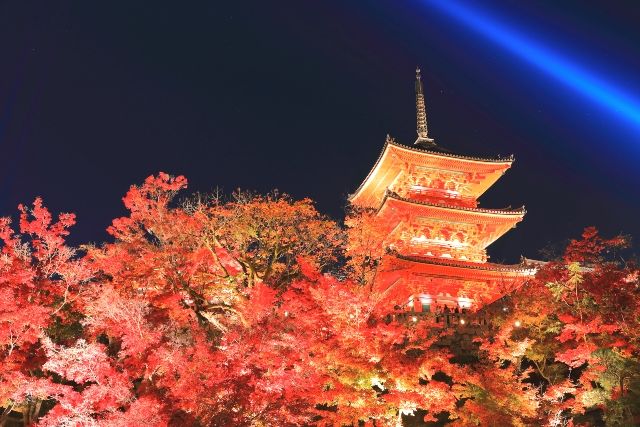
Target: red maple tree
245, 312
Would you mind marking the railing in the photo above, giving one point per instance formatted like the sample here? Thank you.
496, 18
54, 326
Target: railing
443, 319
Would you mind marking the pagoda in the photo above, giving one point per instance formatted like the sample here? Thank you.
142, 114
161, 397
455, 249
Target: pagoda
436, 234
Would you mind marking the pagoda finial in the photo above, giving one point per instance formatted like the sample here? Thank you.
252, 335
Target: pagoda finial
421, 112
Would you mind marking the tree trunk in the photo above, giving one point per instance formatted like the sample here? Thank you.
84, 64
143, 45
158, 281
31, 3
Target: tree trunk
31, 412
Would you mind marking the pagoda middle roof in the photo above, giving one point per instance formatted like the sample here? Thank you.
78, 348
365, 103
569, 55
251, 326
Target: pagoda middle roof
521, 211
393, 159
400, 210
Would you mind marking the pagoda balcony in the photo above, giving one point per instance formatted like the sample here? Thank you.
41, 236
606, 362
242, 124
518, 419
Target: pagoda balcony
462, 320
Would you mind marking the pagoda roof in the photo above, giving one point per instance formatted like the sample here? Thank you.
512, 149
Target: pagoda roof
386, 169
434, 149
483, 282
518, 269
509, 212
403, 212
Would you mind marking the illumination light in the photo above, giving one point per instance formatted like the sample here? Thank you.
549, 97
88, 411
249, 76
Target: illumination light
377, 382
422, 189
414, 318
517, 324
464, 302
553, 63
425, 299
423, 240
462, 321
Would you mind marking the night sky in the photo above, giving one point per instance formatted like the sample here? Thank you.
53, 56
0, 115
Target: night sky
299, 95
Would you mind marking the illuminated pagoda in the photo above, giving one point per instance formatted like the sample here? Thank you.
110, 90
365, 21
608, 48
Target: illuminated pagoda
436, 234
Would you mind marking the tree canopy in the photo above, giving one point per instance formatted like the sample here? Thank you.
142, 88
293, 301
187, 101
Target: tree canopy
260, 311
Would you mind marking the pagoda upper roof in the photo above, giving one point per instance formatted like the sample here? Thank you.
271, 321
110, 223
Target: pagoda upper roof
433, 148
394, 158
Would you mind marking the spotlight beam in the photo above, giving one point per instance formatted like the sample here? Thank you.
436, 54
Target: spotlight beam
556, 65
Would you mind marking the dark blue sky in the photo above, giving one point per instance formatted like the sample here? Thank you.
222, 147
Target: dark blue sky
299, 95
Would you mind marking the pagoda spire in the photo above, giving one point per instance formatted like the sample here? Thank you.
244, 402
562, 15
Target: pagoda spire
421, 113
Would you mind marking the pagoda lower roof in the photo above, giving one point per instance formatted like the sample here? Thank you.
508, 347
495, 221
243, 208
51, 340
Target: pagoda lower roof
483, 282
521, 211
521, 269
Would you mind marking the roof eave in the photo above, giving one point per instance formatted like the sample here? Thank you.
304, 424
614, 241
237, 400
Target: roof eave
510, 159
515, 268
500, 212
390, 141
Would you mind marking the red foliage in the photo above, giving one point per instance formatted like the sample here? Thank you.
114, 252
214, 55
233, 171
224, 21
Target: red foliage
220, 314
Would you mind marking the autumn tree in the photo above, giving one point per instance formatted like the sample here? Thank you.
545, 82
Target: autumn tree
572, 332
267, 234
189, 309
41, 283
218, 312
186, 306
365, 246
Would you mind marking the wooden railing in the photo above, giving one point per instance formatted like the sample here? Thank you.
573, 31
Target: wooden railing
443, 319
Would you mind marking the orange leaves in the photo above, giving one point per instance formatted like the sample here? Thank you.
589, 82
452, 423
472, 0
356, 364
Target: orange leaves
558, 392
566, 318
81, 363
592, 246
224, 312
46, 238
364, 355
149, 204
576, 357
267, 234
146, 410
20, 324
260, 304
156, 192
579, 331
88, 365
365, 247
41, 280
227, 262
580, 318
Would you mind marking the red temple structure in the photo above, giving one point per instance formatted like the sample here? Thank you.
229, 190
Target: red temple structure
436, 234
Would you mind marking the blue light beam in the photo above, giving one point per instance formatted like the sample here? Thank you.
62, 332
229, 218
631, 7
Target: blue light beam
561, 68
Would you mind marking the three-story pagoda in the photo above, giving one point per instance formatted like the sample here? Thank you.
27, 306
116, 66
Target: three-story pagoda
437, 235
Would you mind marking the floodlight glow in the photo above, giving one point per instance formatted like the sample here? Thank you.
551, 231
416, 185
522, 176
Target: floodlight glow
553, 63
